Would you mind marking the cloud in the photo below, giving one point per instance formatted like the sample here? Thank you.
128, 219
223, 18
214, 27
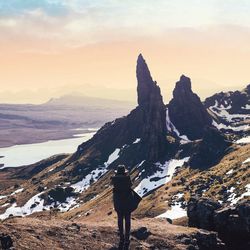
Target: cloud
20, 7
8, 22
70, 23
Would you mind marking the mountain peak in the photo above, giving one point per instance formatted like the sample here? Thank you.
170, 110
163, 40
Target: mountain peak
183, 86
187, 112
140, 57
146, 86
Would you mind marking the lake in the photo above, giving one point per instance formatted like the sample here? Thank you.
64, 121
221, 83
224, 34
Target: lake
27, 154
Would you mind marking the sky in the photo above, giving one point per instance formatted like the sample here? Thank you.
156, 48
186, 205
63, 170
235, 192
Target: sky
51, 48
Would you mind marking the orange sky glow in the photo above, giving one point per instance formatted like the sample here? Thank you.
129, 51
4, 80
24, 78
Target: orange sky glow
49, 55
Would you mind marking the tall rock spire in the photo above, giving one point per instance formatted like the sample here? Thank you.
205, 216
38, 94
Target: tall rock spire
146, 87
140, 136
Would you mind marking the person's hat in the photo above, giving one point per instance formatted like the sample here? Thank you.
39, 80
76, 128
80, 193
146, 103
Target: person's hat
121, 170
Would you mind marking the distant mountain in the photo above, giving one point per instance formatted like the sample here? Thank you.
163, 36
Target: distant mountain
56, 119
87, 101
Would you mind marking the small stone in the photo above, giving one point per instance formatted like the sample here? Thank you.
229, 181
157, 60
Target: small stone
141, 233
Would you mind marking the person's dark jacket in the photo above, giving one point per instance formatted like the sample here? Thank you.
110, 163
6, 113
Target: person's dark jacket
122, 193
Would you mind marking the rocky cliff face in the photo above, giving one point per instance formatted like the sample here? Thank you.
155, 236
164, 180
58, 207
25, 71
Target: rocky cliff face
231, 223
187, 112
140, 136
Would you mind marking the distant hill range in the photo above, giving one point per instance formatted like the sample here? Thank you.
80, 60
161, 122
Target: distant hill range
87, 101
21, 124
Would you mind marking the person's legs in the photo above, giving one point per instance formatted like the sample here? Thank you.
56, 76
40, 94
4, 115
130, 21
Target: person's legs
120, 217
127, 229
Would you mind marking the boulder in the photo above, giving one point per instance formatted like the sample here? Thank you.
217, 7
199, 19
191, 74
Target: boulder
6, 241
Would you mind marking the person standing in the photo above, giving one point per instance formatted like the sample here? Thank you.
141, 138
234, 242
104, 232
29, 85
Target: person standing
122, 198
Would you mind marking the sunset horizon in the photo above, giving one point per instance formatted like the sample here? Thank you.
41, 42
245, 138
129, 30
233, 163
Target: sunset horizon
53, 48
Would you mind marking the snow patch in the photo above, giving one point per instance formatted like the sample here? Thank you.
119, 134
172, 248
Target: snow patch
223, 126
232, 197
114, 156
233, 119
5, 205
160, 177
172, 128
221, 111
246, 161
175, 212
17, 191
229, 172
244, 140
27, 209
179, 195
36, 204
137, 140
93, 176
247, 106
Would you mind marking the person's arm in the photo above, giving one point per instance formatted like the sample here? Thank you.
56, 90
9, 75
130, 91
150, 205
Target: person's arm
129, 182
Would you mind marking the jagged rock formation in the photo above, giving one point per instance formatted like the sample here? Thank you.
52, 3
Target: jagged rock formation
231, 223
201, 212
231, 111
139, 136
235, 102
187, 112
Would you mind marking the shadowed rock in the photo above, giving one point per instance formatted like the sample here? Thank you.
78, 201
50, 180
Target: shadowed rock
231, 223
209, 151
147, 89
187, 112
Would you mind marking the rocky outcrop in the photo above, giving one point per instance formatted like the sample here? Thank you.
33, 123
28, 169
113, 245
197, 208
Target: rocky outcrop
210, 149
187, 112
200, 212
140, 136
231, 111
231, 223
235, 102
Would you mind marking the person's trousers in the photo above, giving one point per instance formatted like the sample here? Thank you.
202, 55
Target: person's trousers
121, 218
